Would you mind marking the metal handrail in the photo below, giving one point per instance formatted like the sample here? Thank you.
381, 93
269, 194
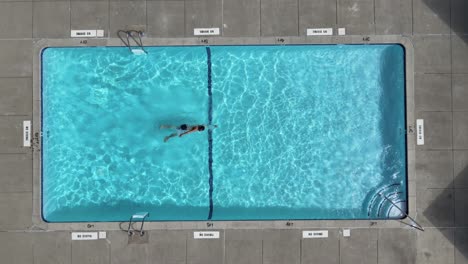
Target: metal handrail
129, 34
416, 226
139, 42
127, 43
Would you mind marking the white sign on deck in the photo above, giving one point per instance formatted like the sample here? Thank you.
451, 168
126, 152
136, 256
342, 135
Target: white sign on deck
315, 234
205, 31
26, 133
346, 232
206, 235
84, 236
102, 235
84, 33
100, 33
319, 31
420, 131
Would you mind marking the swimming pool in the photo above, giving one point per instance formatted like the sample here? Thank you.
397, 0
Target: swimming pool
304, 132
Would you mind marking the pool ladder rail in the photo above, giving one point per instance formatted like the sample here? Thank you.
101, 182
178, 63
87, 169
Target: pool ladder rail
127, 35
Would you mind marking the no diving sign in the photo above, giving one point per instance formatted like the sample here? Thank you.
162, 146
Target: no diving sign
315, 234
84, 235
206, 235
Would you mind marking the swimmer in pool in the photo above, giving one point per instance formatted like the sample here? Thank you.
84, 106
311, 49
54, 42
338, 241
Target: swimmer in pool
185, 129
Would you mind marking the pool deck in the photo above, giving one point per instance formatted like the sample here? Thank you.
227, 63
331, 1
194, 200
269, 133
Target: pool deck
438, 170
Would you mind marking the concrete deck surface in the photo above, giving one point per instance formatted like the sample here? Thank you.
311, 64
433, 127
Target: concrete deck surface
439, 32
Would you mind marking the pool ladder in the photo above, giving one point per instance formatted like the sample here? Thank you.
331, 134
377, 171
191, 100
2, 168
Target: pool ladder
127, 35
136, 218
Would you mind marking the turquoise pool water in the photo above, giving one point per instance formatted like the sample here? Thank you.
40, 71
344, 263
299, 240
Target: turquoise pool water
304, 132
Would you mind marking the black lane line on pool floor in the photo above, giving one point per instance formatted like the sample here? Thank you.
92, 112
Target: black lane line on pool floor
210, 133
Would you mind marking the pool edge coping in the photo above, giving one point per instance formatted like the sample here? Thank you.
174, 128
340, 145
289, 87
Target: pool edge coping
41, 44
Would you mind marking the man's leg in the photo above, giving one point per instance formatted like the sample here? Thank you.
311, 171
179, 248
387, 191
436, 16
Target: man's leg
167, 127
170, 136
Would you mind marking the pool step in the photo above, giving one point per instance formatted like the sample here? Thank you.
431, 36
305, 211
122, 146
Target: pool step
387, 202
